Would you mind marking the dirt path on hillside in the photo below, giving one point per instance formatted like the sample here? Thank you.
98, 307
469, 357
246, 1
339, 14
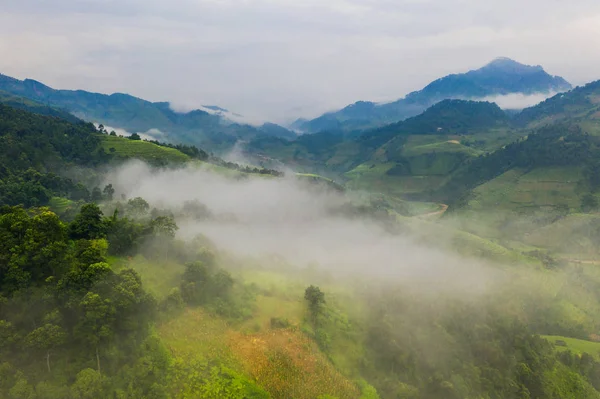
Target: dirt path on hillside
436, 213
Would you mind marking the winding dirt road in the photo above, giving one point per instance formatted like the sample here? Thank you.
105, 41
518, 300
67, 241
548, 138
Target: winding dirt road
436, 213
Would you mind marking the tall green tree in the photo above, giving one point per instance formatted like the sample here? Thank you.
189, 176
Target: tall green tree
88, 224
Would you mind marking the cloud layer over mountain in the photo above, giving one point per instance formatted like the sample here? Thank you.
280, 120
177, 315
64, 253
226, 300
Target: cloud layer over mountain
283, 59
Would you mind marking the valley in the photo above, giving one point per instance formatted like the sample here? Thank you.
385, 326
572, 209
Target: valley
449, 254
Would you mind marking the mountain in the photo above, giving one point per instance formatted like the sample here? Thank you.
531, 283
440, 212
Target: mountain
35, 107
446, 123
581, 104
445, 117
208, 128
500, 77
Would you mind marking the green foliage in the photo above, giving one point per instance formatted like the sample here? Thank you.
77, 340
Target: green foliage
226, 383
315, 299
367, 391
205, 286
34, 149
88, 224
89, 385
277, 322
558, 145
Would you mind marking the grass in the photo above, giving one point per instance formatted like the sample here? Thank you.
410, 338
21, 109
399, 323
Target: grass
572, 235
197, 334
449, 146
519, 189
285, 362
427, 162
577, 346
159, 278
289, 365
59, 205
126, 148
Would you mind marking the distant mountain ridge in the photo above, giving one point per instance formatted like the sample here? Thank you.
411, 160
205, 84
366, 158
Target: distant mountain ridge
208, 128
502, 76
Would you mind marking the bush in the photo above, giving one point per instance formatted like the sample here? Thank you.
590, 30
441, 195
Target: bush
277, 322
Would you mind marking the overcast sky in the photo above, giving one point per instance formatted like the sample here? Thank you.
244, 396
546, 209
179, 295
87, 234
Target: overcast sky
281, 59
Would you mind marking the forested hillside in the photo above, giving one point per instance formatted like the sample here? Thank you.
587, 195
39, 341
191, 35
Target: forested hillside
130, 297
136, 115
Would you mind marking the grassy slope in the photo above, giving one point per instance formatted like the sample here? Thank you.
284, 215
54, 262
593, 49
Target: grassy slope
283, 361
577, 346
540, 187
427, 162
141, 149
59, 205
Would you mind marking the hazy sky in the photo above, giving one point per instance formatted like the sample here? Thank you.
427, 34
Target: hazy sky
280, 59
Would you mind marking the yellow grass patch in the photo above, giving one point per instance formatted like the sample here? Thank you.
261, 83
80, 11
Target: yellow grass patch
197, 334
289, 365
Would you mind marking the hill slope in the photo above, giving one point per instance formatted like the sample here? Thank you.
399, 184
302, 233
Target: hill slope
501, 76
447, 123
133, 114
581, 105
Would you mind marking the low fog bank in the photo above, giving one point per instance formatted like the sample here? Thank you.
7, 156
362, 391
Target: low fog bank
266, 216
517, 100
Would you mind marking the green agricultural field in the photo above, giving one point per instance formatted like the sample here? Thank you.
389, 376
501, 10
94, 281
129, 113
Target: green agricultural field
519, 189
59, 204
375, 177
125, 148
574, 235
574, 345
448, 146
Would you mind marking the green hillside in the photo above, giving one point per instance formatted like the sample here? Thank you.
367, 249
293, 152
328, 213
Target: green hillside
581, 105
136, 115
480, 126
577, 346
150, 152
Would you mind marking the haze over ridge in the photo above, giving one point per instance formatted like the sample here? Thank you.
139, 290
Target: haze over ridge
287, 59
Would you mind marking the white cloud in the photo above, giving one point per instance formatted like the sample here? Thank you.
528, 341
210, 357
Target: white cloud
286, 58
517, 101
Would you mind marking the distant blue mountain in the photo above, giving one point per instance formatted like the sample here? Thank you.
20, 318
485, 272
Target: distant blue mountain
500, 77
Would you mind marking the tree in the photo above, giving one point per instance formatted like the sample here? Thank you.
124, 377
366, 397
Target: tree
88, 224
316, 300
22, 389
32, 247
123, 235
138, 207
90, 384
196, 279
46, 338
164, 228
96, 195
108, 192
96, 321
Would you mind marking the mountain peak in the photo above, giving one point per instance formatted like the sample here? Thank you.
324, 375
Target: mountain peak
502, 61
506, 64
